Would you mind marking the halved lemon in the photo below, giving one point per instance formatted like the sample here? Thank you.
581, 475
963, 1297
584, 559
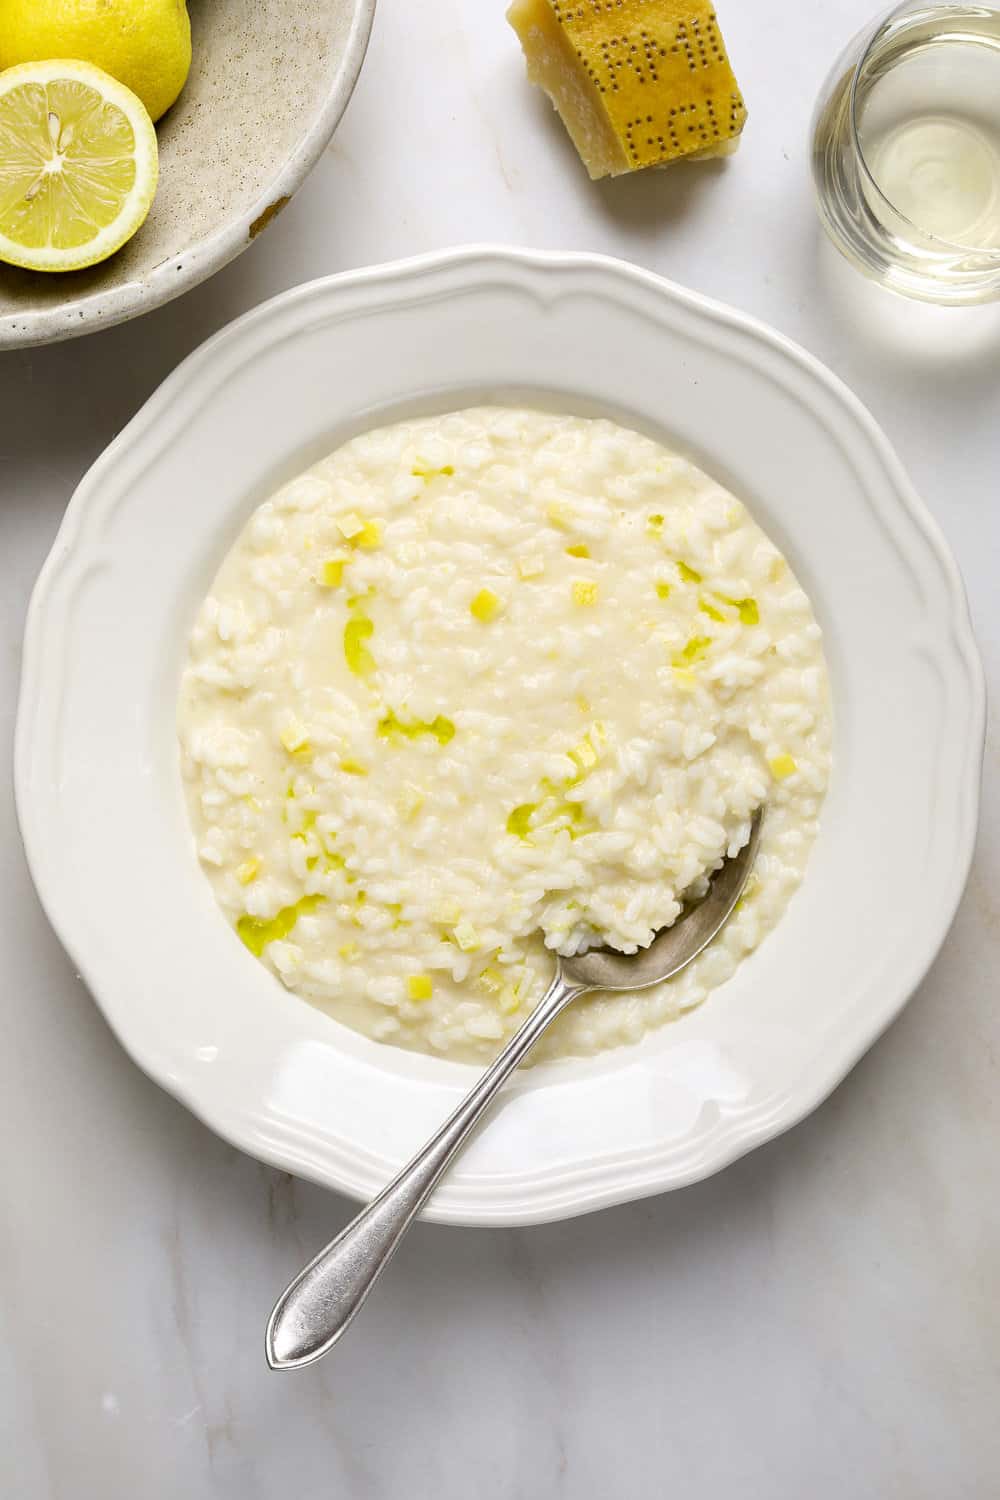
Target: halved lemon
78, 165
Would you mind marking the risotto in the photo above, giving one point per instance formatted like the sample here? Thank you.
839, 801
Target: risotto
487, 684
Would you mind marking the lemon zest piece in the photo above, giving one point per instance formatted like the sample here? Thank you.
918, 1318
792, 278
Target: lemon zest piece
749, 610
519, 820
696, 648
466, 937
295, 738
510, 1000
359, 659
369, 537
491, 980
486, 606
424, 471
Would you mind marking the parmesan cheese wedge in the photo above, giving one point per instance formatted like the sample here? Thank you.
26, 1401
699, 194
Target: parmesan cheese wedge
637, 83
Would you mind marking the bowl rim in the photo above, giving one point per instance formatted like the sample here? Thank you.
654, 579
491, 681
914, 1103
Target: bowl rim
180, 272
347, 1168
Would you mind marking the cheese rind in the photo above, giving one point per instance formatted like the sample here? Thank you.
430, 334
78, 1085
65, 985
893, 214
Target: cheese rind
637, 83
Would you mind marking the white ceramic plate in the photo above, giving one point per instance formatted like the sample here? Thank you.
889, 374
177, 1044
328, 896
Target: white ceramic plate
97, 776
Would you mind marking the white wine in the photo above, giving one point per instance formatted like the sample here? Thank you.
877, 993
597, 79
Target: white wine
906, 153
943, 175
929, 125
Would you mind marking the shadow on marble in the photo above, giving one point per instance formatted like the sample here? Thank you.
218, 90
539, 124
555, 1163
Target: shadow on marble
653, 202
894, 330
93, 385
647, 202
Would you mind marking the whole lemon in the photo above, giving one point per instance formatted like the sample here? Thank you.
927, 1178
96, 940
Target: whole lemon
145, 44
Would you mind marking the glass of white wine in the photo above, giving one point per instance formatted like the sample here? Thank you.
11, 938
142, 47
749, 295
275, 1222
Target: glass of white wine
906, 152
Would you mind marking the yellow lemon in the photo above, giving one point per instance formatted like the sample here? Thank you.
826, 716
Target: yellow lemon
78, 165
145, 44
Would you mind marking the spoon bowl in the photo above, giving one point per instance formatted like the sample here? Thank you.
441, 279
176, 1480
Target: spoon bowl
674, 947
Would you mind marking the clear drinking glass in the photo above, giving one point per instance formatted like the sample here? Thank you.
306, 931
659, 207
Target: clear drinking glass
906, 152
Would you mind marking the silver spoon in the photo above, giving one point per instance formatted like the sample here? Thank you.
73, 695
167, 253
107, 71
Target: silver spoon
323, 1300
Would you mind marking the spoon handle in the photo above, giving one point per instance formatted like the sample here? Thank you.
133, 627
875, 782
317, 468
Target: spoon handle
319, 1305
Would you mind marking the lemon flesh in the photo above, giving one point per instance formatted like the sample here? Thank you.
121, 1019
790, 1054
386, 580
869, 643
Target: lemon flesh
78, 165
145, 44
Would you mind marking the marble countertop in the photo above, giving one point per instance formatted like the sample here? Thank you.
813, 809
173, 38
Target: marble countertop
820, 1320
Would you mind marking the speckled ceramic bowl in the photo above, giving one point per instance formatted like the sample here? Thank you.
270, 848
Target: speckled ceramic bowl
269, 81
